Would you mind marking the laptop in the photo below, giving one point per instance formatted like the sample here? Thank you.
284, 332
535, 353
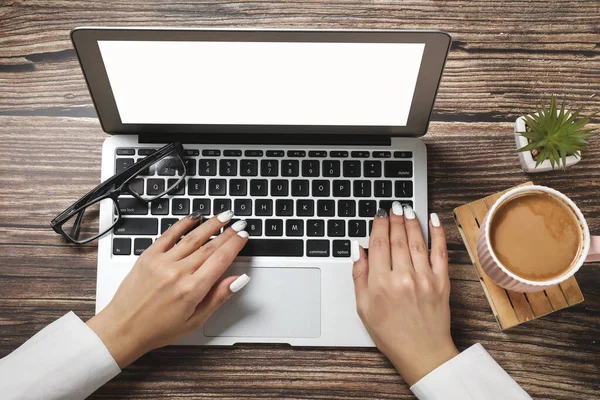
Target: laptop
303, 133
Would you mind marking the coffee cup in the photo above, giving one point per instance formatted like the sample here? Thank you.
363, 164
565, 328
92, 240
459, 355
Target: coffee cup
587, 247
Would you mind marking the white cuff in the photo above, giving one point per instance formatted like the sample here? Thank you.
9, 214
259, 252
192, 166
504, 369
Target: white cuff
473, 374
65, 360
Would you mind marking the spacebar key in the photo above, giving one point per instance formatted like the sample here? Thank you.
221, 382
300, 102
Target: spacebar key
136, 226
273, 248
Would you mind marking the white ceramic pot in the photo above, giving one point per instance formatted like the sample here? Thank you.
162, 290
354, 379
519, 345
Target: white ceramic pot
525, 157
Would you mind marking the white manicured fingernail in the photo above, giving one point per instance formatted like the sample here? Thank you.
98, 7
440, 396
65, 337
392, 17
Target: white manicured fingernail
435, 220
397, 208
355, 251
243, 234
409, 212
239, 225
225, 216
239, 283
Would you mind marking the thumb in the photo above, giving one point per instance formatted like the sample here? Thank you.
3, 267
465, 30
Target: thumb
360, 270
218, 294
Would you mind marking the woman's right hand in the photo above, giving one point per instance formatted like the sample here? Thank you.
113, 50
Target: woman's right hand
402, 294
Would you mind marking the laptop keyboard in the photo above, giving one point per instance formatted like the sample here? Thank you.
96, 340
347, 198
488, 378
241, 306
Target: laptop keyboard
297, 203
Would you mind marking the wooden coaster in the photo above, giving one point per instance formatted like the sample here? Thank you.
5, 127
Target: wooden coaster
510, 308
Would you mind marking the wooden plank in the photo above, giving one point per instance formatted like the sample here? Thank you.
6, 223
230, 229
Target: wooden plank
571, 290
556, 297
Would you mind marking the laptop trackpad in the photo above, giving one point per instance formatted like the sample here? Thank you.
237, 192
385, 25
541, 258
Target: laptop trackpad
277, 302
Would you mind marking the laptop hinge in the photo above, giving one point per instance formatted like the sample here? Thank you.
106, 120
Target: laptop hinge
281, 139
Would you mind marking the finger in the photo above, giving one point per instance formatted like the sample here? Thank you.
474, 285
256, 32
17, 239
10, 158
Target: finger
195, 260
379, 245
401, 261
168, 239
360, 270
219, 294
219, 261
199, 236
439, 250
418, 249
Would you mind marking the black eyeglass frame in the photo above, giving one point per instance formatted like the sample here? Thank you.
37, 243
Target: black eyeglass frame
112, 188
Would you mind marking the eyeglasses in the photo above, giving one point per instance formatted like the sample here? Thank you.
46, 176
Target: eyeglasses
79, 223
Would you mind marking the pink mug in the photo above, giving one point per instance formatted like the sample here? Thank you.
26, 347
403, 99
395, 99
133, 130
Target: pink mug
589, 251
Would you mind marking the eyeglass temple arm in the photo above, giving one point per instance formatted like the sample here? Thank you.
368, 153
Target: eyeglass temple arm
76, 225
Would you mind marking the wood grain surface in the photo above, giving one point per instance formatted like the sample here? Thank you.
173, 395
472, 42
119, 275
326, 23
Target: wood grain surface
505, 56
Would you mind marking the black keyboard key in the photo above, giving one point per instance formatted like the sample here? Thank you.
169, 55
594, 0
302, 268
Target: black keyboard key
336, 228
136, 185
310, 168
382, 154
132, 206
300, 187
360, 154
357, 228
398, 169
346, 208
166, 223
294, 227
148, 170
290, 168
387, 204
341, 248
180, 206
202, 205
254, 227
279, 187
341, 188
317, 153
296, 153
403, 154
273, 248
372, 169
125, 152
269, 167
317, 248
351, 169
338, 154
190, 166
217, 187
176, 188
122, 164
249, 167
403, 188
140, 245
232, 153
253, 153
146, 152
228, 167
207, 167
275, 153
258, 187
370, 226
362, 188
320, 188
242, 207
284, 208
315, 228
263, 207
382, 188
196, 187
367, 208
331, 168
238, 187
273, 227
305, 208
211, 153
325, 208
167, 167
159, 207
121, 246
191, 152
221, 205
136, 226
155, 186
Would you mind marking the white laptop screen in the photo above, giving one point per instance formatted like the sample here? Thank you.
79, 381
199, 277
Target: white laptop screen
262, 83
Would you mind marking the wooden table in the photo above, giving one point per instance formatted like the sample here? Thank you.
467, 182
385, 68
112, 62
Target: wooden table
506, 55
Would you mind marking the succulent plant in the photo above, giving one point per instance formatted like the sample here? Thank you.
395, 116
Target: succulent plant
553, 135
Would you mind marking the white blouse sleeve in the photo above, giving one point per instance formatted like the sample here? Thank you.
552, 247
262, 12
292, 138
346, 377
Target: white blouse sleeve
473, 374
65, 360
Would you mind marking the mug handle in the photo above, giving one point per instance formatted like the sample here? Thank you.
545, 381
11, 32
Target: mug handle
594, 253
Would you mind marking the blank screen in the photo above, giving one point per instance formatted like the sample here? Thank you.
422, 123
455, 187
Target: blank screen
262, 83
